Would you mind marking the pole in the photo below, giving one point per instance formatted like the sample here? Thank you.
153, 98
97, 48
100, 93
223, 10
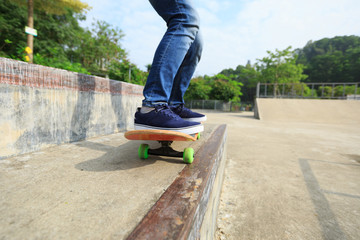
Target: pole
274, 90
129, 74
30, 38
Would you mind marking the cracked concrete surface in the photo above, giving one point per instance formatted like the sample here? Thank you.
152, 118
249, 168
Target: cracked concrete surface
289, 180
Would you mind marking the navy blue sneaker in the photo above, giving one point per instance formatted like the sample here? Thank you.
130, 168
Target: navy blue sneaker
162, 118
187, 114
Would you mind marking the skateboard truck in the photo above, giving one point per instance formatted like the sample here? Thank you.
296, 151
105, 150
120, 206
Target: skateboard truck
166, 150
165, 138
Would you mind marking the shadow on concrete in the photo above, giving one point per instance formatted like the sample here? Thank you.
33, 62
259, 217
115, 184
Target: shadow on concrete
336, 163
80, 122
117, 104
353, 157
123, 157
32, 139
85, 103
326, 217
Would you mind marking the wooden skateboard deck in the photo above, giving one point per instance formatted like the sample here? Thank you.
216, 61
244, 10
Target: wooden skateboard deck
165, 138
158, 135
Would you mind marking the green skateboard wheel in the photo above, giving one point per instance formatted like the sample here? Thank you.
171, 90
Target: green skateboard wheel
198, 136
188, 155
143, 151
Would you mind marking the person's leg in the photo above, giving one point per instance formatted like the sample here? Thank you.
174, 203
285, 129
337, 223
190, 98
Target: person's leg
183, 25
182, 22
182, 81
186, 71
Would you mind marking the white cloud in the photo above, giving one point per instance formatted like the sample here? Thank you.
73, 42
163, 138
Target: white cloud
234, 30
208, 17
142, 26
262, 25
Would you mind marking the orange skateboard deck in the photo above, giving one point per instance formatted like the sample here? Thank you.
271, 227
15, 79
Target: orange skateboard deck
158, 135
165, 138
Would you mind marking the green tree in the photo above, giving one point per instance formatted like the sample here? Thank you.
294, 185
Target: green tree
325, 91
280, 67
60, 32
327, 67
127, 72
247, 75
101, 46
332, 59
12, 22
59, 61
249, 78
59, 41
224, 88
199, 89
57, 7
62, 43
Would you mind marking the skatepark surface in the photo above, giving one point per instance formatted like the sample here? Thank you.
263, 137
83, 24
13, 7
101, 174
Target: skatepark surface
291, 179
308, 110
94, 189
283, 180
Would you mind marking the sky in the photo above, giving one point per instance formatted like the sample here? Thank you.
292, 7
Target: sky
234, 31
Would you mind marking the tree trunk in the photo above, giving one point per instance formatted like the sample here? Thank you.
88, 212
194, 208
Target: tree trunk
30, 38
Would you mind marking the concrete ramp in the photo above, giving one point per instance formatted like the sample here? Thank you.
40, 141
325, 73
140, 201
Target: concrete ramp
308, 110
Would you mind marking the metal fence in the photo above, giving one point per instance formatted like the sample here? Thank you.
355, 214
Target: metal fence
219, 105
309, 90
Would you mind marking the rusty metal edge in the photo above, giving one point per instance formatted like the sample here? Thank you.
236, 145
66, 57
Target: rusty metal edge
179, 212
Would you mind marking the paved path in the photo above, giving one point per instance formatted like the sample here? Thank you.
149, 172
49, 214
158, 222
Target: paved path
289, 180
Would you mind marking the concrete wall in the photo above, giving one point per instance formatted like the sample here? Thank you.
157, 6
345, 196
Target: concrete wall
42, 106
209, 225
308, 110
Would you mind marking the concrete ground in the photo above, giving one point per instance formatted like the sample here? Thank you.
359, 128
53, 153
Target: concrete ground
289, 180
284, 180
94, 189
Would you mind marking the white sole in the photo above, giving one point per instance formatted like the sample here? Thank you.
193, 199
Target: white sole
188, 130
200, 119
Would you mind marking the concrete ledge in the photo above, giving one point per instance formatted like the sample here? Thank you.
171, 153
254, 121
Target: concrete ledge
100, 189
188, 208
42, 106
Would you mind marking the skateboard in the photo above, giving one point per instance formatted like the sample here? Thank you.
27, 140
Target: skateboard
165, 138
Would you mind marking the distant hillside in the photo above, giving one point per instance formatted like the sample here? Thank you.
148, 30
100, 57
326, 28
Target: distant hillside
332, 59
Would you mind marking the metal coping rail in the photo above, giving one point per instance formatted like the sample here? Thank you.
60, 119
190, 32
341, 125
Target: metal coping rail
303, 90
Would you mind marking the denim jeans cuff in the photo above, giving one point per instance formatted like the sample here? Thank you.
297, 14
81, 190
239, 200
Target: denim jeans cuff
175, 104
152, 104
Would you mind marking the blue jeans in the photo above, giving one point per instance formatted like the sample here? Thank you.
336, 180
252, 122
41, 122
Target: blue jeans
177, 55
